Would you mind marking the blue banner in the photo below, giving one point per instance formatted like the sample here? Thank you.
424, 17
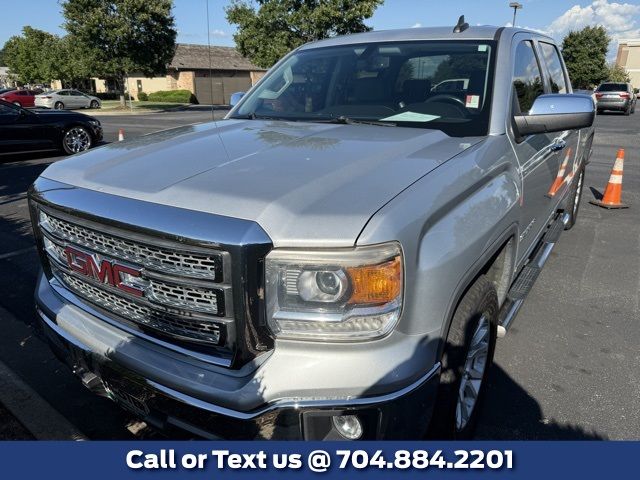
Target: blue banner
388, 460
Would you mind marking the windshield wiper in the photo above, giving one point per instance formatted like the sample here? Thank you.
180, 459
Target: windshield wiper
254, 116
342, 120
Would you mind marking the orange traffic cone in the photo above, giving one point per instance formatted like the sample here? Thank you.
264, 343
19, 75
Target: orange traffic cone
612, 197
121, 134
557, 183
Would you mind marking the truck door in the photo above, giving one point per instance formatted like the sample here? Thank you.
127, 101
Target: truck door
558, 82
537, 155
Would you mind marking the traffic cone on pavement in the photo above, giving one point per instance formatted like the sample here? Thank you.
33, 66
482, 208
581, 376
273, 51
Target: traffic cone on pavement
121, 134
612, 197
557, 183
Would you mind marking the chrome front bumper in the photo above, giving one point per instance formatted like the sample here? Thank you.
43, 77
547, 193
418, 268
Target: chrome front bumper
169, 390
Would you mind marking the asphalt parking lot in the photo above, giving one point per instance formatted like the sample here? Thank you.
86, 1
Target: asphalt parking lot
568, 368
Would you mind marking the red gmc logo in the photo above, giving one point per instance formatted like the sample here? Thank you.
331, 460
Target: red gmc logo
104, 271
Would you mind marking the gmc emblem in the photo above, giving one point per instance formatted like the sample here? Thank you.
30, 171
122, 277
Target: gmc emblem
104, 271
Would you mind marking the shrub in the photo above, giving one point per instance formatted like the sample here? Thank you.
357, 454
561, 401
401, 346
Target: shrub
172, 96
143, 97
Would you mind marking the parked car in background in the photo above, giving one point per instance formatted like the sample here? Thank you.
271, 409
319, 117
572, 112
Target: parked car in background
67, 99
28, 130
616, 96
22, 98
8, 89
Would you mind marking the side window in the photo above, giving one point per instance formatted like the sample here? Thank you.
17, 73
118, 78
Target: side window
527, 79
554, 68
8, 115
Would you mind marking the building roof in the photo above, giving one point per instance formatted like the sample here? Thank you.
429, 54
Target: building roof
196, 57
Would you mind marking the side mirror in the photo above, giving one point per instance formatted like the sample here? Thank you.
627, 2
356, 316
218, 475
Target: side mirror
235, 98
556, 113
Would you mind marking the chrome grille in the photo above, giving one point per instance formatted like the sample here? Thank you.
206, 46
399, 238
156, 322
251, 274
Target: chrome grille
186, 328
186, 294
158, 258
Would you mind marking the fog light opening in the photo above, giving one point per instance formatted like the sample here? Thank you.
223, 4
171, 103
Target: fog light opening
349, 426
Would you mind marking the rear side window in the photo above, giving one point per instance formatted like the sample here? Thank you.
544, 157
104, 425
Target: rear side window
527, 79
554, 68
7, 112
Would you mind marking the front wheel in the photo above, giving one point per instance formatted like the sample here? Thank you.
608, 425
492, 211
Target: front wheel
59, 106
466, 359
76, 139
94, 104
573, 203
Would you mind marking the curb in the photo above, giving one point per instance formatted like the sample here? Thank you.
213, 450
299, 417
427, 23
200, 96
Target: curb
35, 414
128, 111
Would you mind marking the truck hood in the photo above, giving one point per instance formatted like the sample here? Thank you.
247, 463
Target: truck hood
306, 184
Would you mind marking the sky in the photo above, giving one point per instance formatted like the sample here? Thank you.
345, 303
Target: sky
554, 17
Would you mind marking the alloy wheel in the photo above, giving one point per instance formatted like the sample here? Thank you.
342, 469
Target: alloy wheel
473, 373
77, 140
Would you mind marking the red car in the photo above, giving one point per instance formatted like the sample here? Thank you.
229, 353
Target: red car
22, 98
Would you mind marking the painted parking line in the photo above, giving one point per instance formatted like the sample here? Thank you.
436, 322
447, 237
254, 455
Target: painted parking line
15, 253
35, 413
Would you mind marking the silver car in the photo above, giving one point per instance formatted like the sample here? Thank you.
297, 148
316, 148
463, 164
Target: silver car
66, 99
616, 96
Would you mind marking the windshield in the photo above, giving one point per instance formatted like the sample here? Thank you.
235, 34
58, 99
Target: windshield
429, 84
612, 87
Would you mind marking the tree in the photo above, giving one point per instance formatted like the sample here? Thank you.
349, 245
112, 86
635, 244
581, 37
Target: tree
2, 64
585, 54
617, 74
30, 56
118, 37
276, 27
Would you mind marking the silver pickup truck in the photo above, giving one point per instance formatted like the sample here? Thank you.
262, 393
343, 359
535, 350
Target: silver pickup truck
333, 260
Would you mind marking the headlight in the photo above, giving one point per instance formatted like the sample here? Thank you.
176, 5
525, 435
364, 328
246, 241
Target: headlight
334, 295
95, 123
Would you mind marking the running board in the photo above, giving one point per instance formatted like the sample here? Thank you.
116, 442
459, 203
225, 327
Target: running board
529, 274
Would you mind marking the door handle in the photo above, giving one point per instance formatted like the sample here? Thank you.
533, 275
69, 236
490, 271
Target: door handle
558, 144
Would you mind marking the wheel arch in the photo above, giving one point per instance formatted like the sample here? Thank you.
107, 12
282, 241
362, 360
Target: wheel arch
498, 262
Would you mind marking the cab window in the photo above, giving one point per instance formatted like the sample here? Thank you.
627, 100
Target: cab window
555, 71
527, 77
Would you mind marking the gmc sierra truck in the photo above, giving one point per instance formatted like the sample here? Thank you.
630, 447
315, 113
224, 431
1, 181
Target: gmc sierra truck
333, 260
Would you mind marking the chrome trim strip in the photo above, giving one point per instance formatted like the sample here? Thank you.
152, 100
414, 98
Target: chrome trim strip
296, 403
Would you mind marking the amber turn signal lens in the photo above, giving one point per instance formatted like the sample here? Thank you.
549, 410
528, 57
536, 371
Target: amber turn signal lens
376, 284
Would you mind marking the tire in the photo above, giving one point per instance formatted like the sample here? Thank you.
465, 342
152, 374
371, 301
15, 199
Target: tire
59, 106
94, 104
627, 112
76, 139
476, 314
573, 202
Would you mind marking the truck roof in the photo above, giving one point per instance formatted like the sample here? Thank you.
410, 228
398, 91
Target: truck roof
431, 33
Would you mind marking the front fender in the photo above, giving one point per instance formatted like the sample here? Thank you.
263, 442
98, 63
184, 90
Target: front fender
450, 224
